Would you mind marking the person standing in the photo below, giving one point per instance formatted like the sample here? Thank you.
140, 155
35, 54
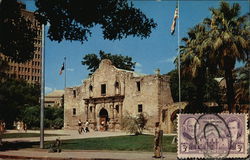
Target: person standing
79, 126
157, 148
86, 126
2, 130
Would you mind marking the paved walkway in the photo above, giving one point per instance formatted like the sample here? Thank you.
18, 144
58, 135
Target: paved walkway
31, 153
84, 155
63, 135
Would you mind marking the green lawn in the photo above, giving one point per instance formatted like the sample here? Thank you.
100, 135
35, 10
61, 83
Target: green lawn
23, 135
122, 143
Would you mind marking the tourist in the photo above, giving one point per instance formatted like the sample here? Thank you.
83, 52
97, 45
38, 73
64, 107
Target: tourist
80, 126
2, 125
86, 126
25, 127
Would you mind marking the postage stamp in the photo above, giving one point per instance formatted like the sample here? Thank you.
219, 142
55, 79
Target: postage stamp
212, 136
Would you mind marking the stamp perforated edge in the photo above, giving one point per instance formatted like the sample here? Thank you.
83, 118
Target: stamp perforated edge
201, 156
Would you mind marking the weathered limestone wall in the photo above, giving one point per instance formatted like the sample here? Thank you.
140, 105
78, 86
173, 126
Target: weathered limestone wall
147, 97
73, 100
125, 90
166, 124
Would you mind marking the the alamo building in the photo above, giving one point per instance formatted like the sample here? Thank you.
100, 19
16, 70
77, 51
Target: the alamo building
111, 92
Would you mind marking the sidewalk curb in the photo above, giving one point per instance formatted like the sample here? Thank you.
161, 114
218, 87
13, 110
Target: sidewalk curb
53, 158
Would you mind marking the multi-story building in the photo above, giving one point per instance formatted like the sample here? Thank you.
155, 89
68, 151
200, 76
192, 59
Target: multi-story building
110, 93
28, 71
54, 99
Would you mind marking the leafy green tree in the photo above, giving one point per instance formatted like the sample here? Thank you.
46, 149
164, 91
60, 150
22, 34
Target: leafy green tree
228, 42
190, 89
69, 20
15, 95
187, 87
53, 117
119, 61
17, 34
73, 20
31, 116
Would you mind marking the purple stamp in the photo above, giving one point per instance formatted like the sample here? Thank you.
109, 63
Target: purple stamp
212, 136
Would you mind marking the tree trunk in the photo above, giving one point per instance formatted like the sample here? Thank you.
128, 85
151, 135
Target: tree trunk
230, 90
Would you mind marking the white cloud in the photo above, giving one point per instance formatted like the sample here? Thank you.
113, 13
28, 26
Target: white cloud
168, 60
138, 64
48, 89
138, 70
138, 67
71, 69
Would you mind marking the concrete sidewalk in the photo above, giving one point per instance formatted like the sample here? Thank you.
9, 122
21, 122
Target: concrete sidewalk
33, 153
82, 154
62, 134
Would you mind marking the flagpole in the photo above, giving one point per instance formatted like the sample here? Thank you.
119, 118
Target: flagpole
179, 65
65, 72
42, 90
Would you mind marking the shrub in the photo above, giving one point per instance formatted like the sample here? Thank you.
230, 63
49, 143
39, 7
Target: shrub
134, 125
57, 123
53, 117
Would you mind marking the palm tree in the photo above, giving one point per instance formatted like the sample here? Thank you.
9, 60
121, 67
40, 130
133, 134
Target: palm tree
228, 42
194, 62
242, 85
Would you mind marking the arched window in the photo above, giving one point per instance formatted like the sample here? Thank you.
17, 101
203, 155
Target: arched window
117, 88
117, 108
116, 84
91, 88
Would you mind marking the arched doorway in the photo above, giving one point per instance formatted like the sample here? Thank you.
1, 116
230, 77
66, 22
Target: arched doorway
104, 117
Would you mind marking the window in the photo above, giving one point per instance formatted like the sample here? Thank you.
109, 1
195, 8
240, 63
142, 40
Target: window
74, 111
91, 88
74, 93
139, 107
138, 84
103, 89
117, 108
163, 115
90, 109
116, 84
117, 88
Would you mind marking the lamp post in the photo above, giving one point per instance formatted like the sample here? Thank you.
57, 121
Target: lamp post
42, 89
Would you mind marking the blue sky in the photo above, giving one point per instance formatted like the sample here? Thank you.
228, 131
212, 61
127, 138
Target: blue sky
157, 51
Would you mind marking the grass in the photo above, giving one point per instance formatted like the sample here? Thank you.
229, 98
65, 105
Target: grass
121, 143
24, 135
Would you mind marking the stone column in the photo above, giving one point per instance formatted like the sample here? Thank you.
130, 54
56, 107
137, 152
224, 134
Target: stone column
120, 112
87, 111
113, 112
95, 116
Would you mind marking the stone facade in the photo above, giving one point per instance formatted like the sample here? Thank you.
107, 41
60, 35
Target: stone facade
168, 118
54, 99
111, 92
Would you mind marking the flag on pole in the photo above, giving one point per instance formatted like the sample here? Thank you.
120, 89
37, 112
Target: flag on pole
174, 20
61, 70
